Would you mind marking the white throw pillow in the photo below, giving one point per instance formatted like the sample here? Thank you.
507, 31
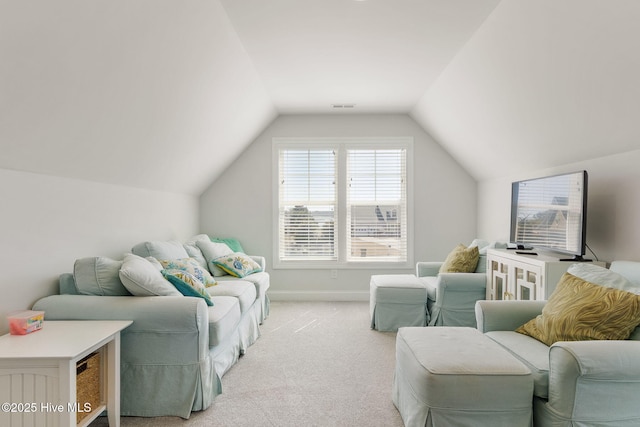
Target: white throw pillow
602, 276
212, 251
141, 278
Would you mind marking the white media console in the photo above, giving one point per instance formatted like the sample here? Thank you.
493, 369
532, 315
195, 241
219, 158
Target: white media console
512, 275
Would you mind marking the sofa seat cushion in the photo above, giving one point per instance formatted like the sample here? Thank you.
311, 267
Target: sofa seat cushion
244, 291
431, 285
224, 317
531, 352
260, 281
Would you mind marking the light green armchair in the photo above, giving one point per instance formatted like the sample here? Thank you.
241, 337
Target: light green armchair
576, 383
452, 296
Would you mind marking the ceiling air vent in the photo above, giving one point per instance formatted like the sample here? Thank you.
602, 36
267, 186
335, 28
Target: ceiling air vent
338, 106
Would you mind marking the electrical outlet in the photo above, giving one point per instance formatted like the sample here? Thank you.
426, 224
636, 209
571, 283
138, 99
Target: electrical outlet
334, 274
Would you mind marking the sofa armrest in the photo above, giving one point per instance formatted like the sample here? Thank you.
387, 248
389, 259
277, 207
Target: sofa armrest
594, 379
165, 329
427, 268
461, 282
260, 260
67, 284
505, 315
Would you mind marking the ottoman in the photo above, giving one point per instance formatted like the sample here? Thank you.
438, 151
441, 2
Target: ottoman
455, 376
397, 300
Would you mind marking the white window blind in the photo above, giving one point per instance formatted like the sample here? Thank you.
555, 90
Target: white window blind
342, 202
307, 204
549, 212
377, 205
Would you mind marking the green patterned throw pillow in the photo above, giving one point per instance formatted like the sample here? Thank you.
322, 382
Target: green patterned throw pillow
237, 264
192, 266
578, 310
187, 284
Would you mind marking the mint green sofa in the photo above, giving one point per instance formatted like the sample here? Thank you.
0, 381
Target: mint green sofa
577, 383
178, 348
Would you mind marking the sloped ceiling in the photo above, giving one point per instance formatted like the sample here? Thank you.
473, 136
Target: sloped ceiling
156, 94
380, 55
541, 84
165, 94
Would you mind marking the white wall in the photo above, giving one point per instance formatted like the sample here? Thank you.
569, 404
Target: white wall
139, 90
541, 84
613, 228
239, 203
47, 222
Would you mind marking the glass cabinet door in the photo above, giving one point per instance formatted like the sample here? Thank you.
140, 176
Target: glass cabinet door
526, 284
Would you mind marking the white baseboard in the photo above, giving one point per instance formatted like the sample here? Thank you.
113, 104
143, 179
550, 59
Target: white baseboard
318, 296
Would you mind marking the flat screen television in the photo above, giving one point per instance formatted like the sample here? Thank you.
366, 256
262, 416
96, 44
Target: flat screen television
551, 213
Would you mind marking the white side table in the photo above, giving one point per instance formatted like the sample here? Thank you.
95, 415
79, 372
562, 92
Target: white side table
38, 373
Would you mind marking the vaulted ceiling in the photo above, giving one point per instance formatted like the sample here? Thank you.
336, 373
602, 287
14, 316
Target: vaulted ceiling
164, 95
380, 55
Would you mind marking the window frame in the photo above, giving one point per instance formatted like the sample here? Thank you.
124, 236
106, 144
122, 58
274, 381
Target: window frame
341, 145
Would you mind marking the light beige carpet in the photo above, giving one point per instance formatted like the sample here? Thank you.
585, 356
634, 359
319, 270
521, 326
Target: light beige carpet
316, 364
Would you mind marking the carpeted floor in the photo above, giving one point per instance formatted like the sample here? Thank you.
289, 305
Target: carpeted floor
316, 364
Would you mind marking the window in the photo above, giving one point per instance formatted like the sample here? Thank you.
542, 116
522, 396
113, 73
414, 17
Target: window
342, 202
376, 205
307, 214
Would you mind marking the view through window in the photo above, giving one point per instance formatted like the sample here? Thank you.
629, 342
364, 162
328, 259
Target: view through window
342, 202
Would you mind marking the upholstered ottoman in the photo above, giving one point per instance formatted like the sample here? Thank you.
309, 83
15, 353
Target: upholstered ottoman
397, 300
455, 376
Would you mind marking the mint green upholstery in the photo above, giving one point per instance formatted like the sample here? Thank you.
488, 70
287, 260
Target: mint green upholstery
451, 296
576, 383
397, 300
456, 376
164, 353
177, 350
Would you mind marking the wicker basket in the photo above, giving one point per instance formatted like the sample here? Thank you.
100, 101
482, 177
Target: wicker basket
88, 388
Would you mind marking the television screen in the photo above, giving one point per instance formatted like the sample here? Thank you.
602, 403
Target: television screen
550, 213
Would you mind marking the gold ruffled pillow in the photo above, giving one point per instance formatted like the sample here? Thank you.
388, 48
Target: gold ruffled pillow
461, 260
578, 310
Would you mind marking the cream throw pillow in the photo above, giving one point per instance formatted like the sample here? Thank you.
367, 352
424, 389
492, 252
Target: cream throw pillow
578, 310
461, 259
211, 252
141, 278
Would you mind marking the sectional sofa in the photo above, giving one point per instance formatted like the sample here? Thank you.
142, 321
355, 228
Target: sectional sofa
178, 348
